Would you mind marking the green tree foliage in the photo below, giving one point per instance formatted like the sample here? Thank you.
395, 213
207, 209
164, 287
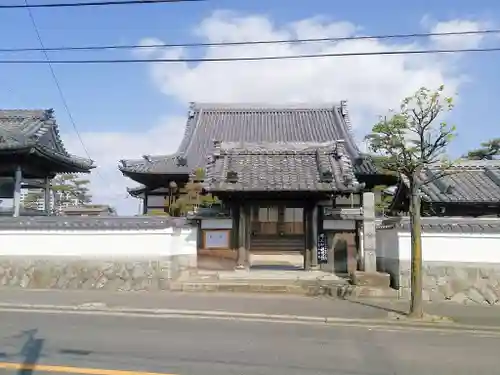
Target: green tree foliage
383, 200
408, 141
489, 150
192, 197
31, 200
69, 187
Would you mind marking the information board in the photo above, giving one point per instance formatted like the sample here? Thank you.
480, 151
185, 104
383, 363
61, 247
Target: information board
322, 245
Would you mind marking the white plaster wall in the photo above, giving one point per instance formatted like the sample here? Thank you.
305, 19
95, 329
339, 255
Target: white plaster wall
99, 243
453, 247
387, 244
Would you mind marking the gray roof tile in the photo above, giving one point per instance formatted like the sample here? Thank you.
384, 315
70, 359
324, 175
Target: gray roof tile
254, 123
36, 129
91, 223
445, 224
290, 166
467, 181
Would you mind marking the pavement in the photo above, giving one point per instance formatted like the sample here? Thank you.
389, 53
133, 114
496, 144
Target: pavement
40, 343
248, 305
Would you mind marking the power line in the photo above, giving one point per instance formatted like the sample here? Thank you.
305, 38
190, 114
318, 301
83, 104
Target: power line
254, 42
94, 4
256, 58
56, 81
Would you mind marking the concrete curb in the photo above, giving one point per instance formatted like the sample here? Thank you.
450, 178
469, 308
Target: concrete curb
207, 314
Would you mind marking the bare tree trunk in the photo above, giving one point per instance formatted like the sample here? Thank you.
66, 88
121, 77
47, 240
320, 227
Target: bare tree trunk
416, 305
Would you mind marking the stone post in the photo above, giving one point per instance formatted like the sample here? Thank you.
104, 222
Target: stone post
369, 234
17, 191
241, 263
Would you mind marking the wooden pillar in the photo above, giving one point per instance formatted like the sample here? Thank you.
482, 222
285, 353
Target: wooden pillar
242, 238
199, 236
235, 217
248, 234
308, 235
46, 195
314, 235
145, 203
17, 191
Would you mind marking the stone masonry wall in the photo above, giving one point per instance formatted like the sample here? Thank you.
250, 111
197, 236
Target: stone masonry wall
111, 275
458, 282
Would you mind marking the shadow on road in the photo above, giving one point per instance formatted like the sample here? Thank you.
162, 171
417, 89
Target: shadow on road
30, 351
379, 306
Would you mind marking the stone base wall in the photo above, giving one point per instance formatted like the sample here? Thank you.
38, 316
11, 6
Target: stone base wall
465, 283
111, 275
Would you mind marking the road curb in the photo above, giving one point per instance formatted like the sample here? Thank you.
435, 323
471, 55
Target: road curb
328, 320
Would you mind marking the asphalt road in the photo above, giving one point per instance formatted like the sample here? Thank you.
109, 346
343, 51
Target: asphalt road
228, 347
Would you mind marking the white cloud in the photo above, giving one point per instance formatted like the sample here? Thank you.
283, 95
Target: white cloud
458, 41
372, 84
107, 148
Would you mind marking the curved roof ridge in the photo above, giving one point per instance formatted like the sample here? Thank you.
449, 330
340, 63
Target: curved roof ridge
294, 147
264, 105
153, 158
22, 112
469, 164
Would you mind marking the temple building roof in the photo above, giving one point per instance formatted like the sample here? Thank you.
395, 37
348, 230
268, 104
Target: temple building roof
250, 123
35, 134
466, 181
288, 167
470, 181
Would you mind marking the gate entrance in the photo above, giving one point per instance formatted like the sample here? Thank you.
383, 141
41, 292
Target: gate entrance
277, 237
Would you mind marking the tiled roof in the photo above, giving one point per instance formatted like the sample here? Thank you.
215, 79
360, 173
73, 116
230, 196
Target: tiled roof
281, 167
468, 181
36, 130
91, 223
446, 224
253, 123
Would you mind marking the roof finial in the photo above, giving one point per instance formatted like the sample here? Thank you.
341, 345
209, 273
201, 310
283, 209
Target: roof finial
181, 161
191, 112
217, 146
343, 108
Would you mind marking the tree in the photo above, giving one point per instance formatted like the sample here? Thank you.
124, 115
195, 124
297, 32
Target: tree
383, 201
489, 150
411, 140
192, 197
69, 188
31, 200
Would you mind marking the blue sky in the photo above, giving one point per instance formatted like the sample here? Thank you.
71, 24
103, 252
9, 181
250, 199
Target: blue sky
121, 110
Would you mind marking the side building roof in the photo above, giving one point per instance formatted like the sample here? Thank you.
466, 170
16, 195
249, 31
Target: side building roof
251, 123
36, 132
467, 181
283, 167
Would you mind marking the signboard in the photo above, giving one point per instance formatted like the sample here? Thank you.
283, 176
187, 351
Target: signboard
216, 239
322, 249
343, 213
